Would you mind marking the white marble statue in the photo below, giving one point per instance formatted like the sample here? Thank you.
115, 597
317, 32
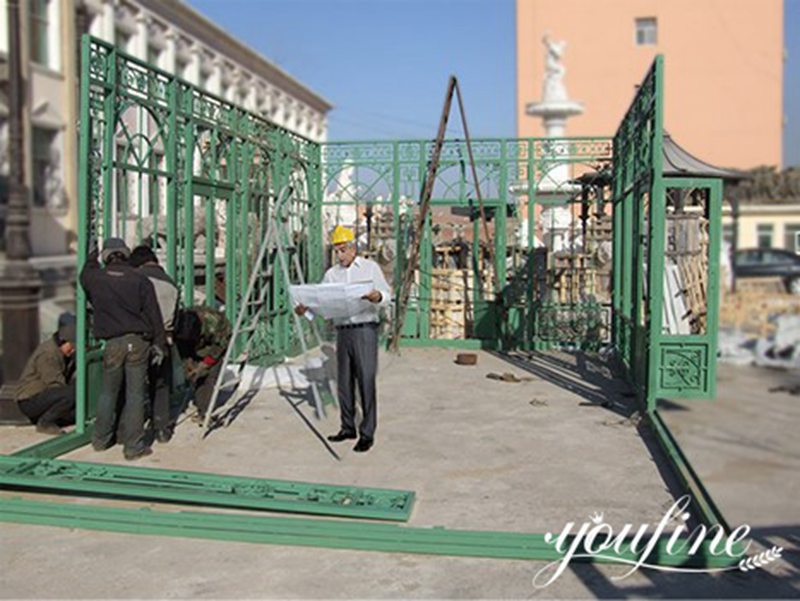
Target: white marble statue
554, 89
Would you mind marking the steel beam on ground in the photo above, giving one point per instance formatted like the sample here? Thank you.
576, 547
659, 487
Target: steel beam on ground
57, 445
334, 534
124, 482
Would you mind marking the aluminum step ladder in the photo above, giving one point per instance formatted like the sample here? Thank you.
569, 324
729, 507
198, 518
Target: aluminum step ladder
273, 251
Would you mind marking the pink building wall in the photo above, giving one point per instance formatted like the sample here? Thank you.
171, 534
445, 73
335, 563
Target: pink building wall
723, 65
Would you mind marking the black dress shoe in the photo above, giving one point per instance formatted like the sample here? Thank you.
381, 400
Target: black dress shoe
48, 428
138, 454
342, 435
363, 445
164, 436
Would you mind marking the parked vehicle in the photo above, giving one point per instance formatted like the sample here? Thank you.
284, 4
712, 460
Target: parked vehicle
769, 262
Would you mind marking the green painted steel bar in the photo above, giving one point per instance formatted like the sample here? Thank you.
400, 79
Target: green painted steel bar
84, 192
173, 180
305, 532
109, 123
188, 211
57, 445
712, 286
397, 268
425, 285
691, 481
500, 218
657, 239
467, 344
124, 482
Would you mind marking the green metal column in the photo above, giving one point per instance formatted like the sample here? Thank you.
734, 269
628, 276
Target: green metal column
657, 240
425, 279
530, 312
395, 198
500, 222
315, 236
172, 181
110, 120
85, 184
188, 198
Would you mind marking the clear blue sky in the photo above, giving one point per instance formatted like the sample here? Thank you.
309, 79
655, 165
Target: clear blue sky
791, 83
384, 63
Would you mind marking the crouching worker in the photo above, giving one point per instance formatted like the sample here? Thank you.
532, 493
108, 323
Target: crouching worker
202, 336
160, 374
126, 316
46, 392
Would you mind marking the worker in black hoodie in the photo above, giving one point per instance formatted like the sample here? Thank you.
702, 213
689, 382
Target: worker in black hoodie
160, 376
127, 317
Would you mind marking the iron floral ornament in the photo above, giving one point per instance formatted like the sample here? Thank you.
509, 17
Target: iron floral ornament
596, 539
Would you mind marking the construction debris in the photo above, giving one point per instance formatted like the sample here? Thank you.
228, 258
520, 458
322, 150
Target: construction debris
466, 359
507, 377
792, 390
779, 349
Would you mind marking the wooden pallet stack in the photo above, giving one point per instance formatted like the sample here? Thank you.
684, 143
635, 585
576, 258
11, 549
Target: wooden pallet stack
687, 248
694, 274
573, 274
600, 228
450, 294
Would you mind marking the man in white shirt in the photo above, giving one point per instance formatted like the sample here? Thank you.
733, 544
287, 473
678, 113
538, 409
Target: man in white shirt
356, 340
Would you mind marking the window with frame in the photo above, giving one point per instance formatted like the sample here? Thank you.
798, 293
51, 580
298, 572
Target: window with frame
727, 233
646, 31
764, 235
43, 144
791, 237
39, 31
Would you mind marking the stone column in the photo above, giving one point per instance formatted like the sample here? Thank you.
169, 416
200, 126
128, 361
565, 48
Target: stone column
170, 51
108, 29
215, 81
140, 39
193, 72
20, 284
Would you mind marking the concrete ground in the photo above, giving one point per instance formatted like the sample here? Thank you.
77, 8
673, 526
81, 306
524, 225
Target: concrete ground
482, 454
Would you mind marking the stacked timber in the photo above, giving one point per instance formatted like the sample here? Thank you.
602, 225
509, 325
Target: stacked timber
600, 228
450, 294
573, 275
754, 311
687, 254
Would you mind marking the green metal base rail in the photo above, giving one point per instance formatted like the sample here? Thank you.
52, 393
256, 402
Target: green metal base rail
194, 488
688, 477
57, 445
333, 534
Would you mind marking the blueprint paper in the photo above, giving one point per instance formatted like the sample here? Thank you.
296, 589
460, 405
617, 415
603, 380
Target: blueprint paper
332, 300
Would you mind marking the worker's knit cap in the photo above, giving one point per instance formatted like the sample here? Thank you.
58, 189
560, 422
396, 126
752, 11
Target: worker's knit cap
142, 254
66, 327
114, 245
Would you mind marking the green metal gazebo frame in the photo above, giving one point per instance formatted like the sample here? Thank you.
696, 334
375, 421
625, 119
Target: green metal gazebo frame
165, 162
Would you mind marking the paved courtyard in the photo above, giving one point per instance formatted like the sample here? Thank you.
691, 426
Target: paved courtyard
486, 454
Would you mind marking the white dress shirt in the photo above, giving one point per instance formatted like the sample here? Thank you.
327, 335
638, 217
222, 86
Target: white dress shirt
361, 270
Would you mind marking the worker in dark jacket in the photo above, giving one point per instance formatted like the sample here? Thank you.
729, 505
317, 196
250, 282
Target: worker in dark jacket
45, 392
160, 375
126, 316
202, 341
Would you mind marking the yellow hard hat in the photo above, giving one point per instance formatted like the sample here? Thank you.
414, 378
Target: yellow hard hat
342, 234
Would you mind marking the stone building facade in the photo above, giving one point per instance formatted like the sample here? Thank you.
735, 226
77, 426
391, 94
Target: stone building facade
166, 33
